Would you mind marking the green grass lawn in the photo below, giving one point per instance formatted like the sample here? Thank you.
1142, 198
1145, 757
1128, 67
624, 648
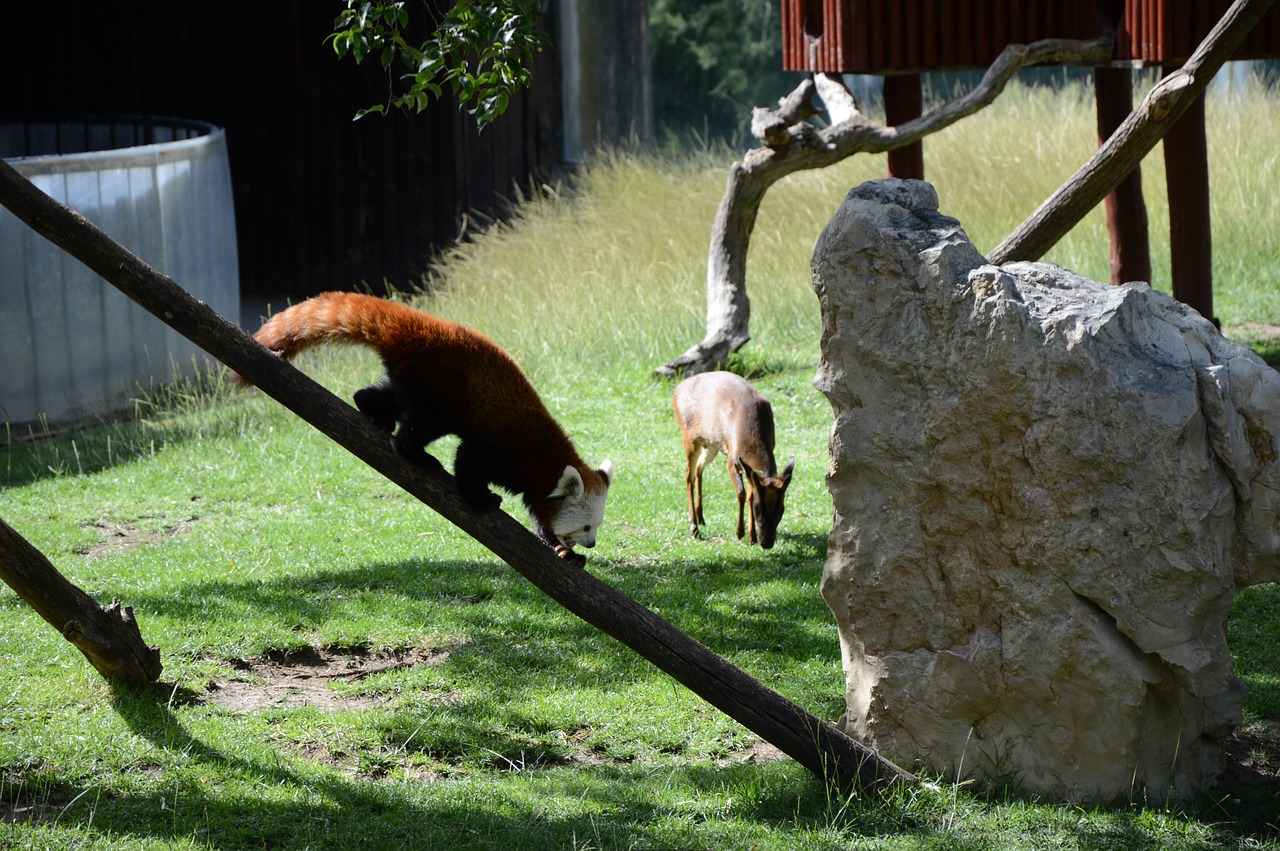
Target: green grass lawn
457, 706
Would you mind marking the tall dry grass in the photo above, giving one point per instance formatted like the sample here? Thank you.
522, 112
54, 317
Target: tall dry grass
611, 274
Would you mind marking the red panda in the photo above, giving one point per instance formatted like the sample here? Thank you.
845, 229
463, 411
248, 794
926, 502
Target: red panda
445, 378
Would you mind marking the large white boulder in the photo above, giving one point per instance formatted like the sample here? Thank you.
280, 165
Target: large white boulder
1047, 491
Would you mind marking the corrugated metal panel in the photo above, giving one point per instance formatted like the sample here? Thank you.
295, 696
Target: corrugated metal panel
906, 36
1167, 31
879, 36
72, 343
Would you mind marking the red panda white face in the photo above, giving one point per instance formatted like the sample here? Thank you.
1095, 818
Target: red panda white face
582, 506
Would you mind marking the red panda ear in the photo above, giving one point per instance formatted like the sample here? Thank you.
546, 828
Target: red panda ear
570, 483
606, 472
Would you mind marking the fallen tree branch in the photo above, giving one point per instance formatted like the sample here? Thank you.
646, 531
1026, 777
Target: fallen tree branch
728, 308
108, 636
817, 745
1132, 140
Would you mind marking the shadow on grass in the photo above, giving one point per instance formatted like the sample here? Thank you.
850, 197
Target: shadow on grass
309, 807
283, 802
519, 641
752, 365
269, 795
734, 604
30, 452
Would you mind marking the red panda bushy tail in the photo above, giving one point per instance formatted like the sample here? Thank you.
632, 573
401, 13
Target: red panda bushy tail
335, 317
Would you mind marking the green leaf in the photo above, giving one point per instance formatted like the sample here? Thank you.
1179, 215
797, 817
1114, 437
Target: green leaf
478, 50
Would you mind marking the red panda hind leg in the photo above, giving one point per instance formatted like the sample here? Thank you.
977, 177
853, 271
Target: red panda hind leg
382, 406
475, 466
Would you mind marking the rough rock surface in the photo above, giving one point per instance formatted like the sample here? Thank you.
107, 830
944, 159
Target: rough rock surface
1047, 491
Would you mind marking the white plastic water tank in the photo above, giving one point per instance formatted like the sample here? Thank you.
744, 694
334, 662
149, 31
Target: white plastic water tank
70, 343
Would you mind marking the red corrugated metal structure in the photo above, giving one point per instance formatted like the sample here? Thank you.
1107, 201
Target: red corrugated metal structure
901, 39
910, 36
1167, 31
895, 36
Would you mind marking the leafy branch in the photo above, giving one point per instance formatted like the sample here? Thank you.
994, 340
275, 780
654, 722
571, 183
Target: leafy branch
480, 51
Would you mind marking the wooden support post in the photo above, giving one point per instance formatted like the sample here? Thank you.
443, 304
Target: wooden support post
1126, 209
1186, 168
902, 103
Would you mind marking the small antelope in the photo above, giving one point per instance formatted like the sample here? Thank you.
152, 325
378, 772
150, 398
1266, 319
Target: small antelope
721, 412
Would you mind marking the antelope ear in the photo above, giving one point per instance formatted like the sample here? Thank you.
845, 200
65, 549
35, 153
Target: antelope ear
744, 472
786, 474
606, 472
570, 483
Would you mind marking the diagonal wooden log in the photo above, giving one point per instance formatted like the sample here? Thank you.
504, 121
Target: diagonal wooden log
1132, 140
108, 636
817, 745
728, 308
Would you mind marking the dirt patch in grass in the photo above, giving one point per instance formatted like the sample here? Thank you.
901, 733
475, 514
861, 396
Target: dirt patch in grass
1261, 332
1253, 756
118, 537
20, 804
288, 680
303, 678
761, 751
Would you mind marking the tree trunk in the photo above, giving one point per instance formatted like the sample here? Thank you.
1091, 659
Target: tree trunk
817, 745
107, 636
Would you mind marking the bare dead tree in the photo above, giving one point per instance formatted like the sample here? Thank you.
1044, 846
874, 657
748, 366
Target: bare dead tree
791, 144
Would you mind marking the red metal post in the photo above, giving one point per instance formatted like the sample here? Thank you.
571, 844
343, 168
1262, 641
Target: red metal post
903, 102
1186, 168
1126, 210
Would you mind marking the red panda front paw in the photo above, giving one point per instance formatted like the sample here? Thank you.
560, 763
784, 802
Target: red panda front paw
575, 559
416, 456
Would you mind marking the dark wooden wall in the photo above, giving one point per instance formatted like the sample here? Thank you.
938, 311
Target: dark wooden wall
321, 202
